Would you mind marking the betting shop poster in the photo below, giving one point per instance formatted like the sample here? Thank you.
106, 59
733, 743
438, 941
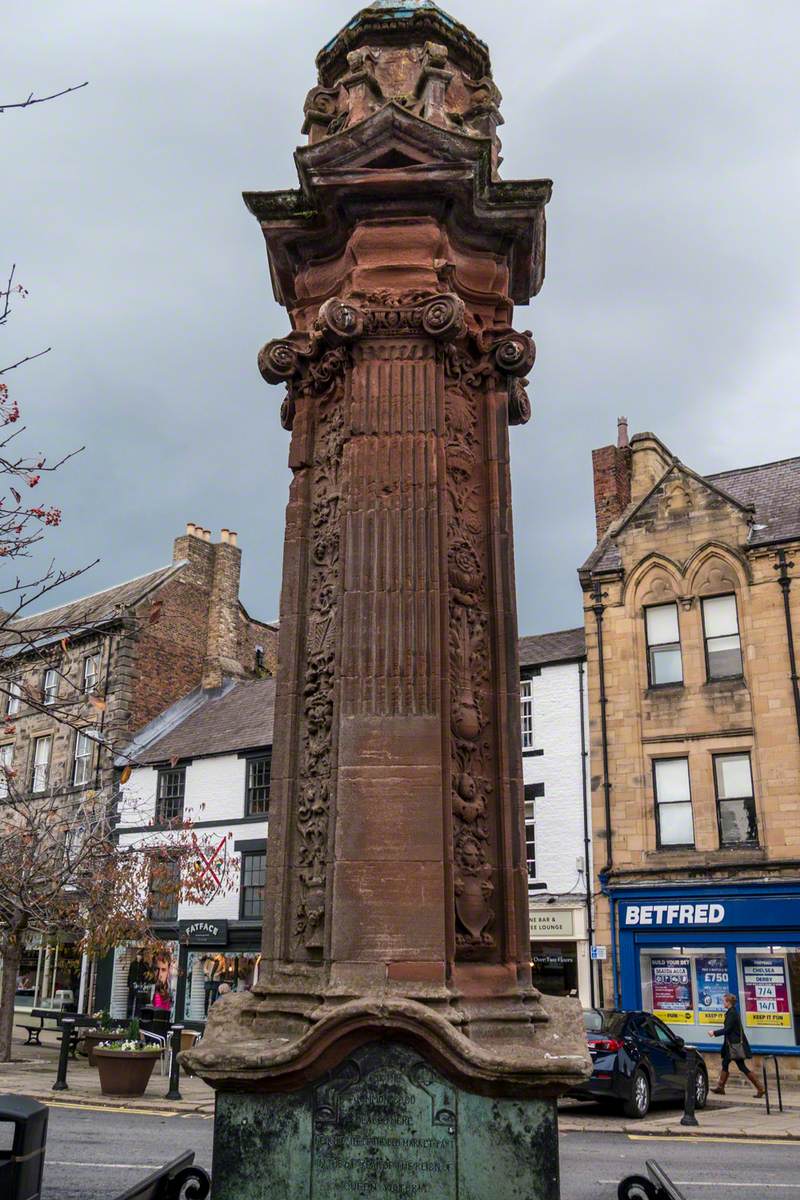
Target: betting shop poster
712, 984
766, 992
672, 990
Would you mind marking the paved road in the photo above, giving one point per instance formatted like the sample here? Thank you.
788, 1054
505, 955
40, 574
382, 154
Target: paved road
95, 1155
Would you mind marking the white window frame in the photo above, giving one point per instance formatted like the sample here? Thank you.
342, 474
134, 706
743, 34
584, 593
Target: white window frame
662, 804
526, 713
41, 763
6, 760
84, 742
14, 698
712, 640
91, 674
50, 689
656, 648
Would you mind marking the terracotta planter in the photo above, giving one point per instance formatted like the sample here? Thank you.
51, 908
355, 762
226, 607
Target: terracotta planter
124, 1072
93, 1037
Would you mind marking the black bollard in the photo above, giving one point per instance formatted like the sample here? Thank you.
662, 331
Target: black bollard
174, 1065
690, 1097
67, 1026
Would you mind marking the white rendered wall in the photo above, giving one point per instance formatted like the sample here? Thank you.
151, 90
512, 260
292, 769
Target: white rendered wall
215, 796
559, 814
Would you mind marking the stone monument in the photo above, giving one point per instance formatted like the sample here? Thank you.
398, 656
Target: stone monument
394, 1045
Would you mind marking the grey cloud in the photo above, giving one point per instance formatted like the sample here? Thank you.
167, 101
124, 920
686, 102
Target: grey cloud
671, 293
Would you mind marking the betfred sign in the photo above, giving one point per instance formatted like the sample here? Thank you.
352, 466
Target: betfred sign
670, 916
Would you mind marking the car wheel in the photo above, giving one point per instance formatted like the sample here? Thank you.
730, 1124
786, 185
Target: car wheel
701, 1089
638, 1105
636, 1187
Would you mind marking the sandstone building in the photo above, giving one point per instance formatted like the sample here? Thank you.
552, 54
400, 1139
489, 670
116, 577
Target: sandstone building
692, 604
91, 672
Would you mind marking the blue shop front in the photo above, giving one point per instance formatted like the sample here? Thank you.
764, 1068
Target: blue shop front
678, 950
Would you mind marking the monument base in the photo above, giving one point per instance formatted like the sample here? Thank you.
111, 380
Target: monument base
384, 1124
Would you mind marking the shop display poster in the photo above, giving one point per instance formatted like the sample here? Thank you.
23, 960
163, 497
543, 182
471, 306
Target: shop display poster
672, 990
712, 984
766, 992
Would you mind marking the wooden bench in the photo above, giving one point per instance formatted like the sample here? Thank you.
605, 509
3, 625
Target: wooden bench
35, 1031
169, 1182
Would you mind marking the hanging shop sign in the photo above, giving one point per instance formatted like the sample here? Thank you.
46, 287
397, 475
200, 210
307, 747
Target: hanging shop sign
203, 932
672, 990
766, 992
712, 984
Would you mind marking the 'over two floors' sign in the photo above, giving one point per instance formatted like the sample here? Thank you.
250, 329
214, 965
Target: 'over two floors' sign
204, 932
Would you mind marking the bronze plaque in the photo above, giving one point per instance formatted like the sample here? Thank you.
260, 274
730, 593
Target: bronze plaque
384, 1126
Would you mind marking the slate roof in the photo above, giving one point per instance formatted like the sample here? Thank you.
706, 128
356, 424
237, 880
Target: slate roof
545, 648
92, 610
773, 491
238, 716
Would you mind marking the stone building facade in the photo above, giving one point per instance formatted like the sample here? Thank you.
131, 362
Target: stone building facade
691, 605
555, 773
89, 673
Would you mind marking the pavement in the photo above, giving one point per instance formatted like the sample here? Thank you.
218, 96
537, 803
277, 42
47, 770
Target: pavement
736, 1115
33, 1070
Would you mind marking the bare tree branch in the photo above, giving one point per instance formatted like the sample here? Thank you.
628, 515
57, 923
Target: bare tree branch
43, 99
27, 358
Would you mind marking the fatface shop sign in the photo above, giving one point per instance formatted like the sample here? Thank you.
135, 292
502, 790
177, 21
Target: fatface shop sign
204, 932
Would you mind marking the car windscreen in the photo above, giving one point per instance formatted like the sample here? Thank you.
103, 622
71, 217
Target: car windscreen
597, 1021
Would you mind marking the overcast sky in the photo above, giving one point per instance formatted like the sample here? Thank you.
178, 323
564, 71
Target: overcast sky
672, 293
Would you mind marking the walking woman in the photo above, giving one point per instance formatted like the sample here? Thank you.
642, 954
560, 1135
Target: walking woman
735, 1047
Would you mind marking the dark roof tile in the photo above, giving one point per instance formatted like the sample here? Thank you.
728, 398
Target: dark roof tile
239, 716
545, 648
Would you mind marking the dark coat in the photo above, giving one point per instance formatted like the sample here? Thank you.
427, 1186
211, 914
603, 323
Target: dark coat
733, 1032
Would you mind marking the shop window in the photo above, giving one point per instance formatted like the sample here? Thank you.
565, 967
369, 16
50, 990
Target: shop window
170, 795
41, 763
253, 877
533, 792
6, 759
554, 968
50, 687
769, 998
723, 645
675, 825
164, 887
526, 711
736, 805
258, 783
664, 664
684, 986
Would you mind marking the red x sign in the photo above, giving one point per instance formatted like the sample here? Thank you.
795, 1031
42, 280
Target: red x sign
217, 855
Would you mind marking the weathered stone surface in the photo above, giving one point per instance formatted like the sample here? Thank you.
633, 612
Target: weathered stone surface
384, 1125
396, 899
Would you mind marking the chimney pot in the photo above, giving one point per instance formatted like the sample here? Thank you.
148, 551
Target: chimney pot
224, 535
622, 432
233, 537
206, 535
190, 528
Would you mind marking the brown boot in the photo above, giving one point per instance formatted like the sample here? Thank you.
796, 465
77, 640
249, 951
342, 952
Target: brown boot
719, 1090
754, 1080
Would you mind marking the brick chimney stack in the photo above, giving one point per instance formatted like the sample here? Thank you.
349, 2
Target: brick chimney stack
214, 570
611, 466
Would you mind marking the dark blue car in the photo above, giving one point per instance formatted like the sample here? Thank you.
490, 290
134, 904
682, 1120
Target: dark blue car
637, 1059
